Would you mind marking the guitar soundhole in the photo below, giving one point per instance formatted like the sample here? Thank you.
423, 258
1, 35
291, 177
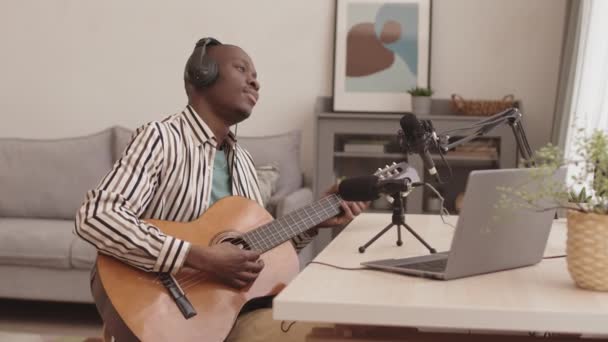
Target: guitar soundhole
233, 238
237, 241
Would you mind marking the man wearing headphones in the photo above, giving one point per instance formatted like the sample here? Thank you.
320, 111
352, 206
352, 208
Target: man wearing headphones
175, 169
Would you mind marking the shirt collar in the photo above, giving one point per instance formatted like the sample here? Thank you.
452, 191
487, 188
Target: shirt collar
201, 133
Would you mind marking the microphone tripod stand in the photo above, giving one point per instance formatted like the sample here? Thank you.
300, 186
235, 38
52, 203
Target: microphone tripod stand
398, 220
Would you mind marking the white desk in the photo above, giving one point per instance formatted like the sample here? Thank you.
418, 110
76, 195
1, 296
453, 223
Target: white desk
539, 298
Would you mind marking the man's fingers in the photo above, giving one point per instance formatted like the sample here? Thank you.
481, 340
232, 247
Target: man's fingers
251, 255
354, 207
254, 267
237, 283
347, 212
359, 207
247, 277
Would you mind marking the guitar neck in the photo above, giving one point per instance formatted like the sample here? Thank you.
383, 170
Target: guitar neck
276, 232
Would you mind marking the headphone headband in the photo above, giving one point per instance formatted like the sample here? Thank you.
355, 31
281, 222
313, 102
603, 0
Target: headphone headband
208, 41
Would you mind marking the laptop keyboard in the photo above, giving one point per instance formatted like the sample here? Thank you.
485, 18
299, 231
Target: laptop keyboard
432, 266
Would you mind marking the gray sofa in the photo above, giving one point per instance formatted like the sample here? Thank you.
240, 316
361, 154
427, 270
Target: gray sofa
43, 182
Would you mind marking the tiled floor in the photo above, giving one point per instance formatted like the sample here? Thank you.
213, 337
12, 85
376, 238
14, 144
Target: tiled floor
49, 318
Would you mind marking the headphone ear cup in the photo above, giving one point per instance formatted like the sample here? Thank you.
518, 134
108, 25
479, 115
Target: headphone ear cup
201, 69
204, 74
209, 71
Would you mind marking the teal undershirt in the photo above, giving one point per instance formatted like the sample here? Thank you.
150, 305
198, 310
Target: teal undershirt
221, 185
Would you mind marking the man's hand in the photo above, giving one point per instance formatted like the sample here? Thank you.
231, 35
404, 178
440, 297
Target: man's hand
234, 266
349, 211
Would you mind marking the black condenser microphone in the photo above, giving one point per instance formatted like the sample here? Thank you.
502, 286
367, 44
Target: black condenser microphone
417, 139
369, 188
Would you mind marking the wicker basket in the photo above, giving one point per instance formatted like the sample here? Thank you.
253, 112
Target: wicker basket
480, 107
587, 250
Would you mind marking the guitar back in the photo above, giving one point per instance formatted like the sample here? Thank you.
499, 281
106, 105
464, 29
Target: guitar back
143, 304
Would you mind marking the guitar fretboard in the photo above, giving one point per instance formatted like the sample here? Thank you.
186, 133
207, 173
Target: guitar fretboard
276, 232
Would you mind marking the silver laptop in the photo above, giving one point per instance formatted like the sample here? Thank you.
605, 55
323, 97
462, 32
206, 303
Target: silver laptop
487, 239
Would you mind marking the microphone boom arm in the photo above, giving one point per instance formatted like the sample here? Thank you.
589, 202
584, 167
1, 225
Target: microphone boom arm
511, 116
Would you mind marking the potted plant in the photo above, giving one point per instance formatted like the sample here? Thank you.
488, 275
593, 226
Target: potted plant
585, 199
421, 100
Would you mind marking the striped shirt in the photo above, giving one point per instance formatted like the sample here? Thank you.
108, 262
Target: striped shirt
165, 173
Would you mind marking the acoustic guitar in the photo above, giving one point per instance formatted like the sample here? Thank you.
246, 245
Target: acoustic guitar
136, 305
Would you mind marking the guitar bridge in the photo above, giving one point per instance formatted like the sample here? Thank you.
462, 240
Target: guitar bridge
178, 295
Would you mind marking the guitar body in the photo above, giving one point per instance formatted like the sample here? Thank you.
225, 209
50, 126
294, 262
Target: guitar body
143, 305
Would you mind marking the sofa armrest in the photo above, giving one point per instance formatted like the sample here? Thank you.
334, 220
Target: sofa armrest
293, 201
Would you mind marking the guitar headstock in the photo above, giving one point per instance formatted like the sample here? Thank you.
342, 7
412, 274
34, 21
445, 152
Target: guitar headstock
398, 171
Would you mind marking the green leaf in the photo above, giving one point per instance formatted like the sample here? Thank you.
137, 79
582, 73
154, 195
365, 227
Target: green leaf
420, 91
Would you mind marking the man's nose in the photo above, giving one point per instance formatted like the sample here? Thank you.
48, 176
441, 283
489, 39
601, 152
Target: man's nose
254, 83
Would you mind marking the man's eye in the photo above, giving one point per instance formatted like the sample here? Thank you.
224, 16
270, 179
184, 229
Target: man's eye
241, 68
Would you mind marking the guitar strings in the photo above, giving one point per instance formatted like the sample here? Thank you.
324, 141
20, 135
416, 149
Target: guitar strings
187, 277
184, 280
297, 217
191, 280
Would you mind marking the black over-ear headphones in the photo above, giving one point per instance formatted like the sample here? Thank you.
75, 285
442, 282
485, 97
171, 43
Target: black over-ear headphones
201, 70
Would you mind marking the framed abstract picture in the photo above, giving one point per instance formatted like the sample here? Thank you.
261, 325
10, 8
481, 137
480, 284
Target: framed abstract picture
381, 51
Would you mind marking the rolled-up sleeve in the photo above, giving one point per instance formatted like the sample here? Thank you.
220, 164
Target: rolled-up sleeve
109, 216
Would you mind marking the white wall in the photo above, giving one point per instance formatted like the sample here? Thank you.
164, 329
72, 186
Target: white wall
487, 49
72, 67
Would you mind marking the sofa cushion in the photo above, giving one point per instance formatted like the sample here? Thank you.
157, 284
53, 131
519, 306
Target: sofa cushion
49, 178
82, 254
36, 242
120, 139
281, 150
268, 175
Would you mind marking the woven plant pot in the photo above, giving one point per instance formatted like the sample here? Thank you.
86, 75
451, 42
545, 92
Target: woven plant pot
587, 249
